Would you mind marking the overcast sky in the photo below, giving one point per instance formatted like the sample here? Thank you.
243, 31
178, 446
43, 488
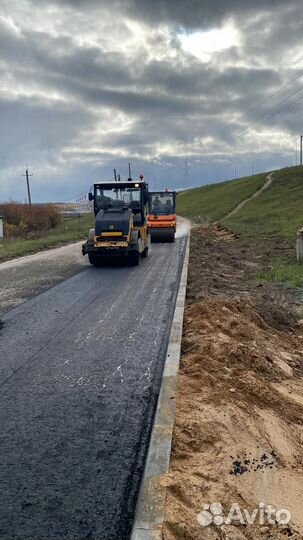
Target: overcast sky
179, 88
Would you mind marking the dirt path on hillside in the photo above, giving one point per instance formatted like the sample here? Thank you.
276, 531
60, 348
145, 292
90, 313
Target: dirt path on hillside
269, 180
239, 425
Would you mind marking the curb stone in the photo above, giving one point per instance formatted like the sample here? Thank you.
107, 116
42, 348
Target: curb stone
149, 515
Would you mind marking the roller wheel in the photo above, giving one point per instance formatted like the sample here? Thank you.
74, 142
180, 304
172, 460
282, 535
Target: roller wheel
95, 261
92, 259
135, 258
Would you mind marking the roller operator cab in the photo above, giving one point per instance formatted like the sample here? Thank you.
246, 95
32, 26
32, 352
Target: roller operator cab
121, 222
162, 221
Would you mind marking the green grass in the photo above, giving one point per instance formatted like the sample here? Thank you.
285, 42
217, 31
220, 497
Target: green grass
214, 201
278, 212
71, 230
283, 270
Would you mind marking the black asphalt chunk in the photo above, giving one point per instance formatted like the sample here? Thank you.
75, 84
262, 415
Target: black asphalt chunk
245, 465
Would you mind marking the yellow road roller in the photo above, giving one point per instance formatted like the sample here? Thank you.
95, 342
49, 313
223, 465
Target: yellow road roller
121, 230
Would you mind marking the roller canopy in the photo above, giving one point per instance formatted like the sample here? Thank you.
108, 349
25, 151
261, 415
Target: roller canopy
113, 220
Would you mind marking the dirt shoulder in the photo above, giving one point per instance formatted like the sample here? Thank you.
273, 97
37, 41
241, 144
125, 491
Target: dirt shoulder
22, 278
239, 423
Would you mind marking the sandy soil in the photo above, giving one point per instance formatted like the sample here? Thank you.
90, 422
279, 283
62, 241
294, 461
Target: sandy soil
239, 425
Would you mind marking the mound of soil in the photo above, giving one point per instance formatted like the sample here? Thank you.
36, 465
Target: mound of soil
239, 424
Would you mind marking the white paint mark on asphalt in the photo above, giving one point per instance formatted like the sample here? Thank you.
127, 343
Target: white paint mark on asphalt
118, 370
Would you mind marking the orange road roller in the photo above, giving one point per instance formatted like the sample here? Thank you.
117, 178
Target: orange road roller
162, 219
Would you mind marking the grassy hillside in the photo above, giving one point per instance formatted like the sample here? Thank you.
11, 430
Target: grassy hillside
215, 201
70, 230
277, 212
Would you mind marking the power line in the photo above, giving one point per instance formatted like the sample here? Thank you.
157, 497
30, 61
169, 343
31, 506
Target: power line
272, 95
256, 121
258, 105
273, 112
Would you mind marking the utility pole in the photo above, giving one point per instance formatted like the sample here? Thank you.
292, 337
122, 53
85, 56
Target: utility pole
28, 187
301, 150
186, 173
296, 155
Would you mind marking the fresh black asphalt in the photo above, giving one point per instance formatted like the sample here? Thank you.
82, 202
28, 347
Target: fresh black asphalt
80, 372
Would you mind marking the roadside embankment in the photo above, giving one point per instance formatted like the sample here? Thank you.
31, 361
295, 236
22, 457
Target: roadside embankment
239, 421
70, 230
256, 209
214, 201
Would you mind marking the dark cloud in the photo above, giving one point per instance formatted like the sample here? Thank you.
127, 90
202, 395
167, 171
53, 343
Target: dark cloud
200, 14
186, 13
93, 84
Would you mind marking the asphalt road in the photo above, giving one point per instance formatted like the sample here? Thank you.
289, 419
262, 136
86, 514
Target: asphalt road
80, 372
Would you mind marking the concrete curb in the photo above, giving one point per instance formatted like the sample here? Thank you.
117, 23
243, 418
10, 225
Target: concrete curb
150, 508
